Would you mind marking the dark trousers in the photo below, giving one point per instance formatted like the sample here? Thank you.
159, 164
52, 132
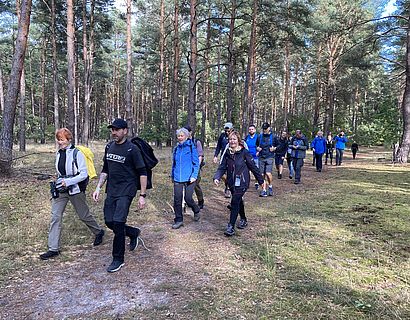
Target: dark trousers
297, 166
115, 215
319, 161
198, 189
237, 206
179, 188
354, 151
329, 154
314, 158
339, 156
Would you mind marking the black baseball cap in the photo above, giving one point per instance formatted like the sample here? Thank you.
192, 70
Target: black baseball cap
118, 124
265, 126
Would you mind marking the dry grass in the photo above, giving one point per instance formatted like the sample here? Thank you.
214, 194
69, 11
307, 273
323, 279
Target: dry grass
335, 247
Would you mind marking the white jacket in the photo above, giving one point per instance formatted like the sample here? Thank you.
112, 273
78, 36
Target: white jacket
76, 174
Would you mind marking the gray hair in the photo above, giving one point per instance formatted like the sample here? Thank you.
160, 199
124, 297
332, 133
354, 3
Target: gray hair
183, 131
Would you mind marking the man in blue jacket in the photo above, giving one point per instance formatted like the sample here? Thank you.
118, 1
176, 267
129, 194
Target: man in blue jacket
340, 140
319, 148
251, 140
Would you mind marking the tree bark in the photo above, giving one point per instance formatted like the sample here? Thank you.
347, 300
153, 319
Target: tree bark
404, 147
231, 63
13, 88
250, 71
192, 67
42, 110
128, 89
70, 114
22, 114
86, 79
55, 68
175, 77
1, 91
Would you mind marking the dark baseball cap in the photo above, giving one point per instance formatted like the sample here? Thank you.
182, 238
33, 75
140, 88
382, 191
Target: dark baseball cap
265, 126
118, 124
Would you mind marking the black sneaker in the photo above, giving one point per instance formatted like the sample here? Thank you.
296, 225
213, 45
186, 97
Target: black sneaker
297, 182
49, 254
230, 230
196, 216
115, 266
200, 204
134, 240
242, 224
99, 238
279, 176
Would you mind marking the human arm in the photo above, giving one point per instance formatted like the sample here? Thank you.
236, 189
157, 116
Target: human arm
195, 165
220, 171
253, 168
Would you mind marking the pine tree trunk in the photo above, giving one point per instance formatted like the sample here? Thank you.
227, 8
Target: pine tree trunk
192, 67
86, 79
22, 113
70, 114
318, 93
128, 89
404, 148
250, 71
55, 69
1, 90
13, 88
43, 93
231, 63
175, 77
160, 90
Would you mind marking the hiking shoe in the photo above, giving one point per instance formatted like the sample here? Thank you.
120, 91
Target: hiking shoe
177, 225
297, 182
256, 186
115, 266
134, 240
279, 176
201, 204
263, 194
99, 238
242, 224
230, 230
270, 192
227, 193
196, 216
49, 254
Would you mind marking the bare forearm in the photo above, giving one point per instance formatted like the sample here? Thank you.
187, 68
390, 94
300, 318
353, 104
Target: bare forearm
143, 182
101, 181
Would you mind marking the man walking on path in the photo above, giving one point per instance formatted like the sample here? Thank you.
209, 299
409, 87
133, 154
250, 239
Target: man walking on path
220, 148
298, 144
319, 148
330, 146
266, 154
198, 190
354, 148
250, 141
281, 147
340, 140
125, 173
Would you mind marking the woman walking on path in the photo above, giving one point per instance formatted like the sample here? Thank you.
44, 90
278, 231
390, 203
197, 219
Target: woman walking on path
72, 176
319, 148
236, 163
185, 169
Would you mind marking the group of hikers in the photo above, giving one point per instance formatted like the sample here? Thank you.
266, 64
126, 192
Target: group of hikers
125, 172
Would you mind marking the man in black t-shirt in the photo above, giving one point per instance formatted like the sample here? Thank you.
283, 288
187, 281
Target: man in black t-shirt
124, 170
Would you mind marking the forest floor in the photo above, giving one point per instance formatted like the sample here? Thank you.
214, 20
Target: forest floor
336, 246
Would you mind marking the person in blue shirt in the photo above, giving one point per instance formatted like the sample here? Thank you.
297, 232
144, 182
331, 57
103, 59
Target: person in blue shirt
319, 148
250, 141
185, 169
266, 156
340, 146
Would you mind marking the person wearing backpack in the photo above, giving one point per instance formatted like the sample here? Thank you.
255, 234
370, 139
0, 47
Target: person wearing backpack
236, 163
125, 172
281, 147
266, 155
250, 141
184, 173
298, 145
71, 172
198, 190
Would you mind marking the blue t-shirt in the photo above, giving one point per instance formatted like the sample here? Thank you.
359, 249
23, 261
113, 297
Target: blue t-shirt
251, 143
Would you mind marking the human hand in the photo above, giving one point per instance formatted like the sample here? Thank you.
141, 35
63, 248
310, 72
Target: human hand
96, 194
215, 160
141, 203
192, 180
216, 181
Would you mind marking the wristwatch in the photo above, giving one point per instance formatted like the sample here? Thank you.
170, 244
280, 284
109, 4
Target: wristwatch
144, 195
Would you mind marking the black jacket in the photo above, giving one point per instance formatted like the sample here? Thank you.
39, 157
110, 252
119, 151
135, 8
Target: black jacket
238, 164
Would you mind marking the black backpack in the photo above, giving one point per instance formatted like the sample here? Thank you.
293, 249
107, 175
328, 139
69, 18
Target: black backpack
148, 156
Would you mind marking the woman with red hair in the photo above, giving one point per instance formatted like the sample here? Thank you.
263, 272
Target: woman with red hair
70, 185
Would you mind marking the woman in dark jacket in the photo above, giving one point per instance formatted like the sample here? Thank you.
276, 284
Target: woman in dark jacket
236, 163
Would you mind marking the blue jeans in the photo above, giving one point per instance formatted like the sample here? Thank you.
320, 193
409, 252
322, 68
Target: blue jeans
339, 156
